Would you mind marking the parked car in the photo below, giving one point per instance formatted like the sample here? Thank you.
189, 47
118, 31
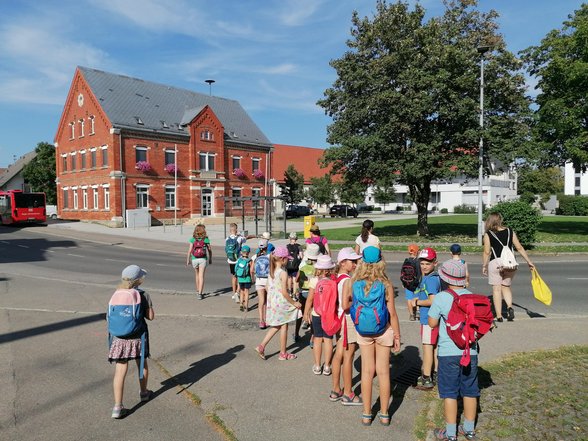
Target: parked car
51, 211
297, 211
343, 211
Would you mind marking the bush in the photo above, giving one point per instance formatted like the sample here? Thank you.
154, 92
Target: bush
464, 209
572, 205
444, 211
521, 217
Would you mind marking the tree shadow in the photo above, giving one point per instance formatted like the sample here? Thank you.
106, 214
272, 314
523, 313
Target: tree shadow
405, 370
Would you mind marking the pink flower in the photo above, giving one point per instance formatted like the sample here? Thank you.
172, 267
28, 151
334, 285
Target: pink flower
143, 166
258, 174
239, 172
170, 168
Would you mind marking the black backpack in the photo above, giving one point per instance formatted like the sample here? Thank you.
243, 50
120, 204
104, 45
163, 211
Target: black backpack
294, 260
410, 273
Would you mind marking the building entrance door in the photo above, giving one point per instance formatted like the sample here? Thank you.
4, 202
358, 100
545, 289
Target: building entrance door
206, 202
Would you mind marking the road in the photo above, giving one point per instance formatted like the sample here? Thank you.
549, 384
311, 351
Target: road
55, 380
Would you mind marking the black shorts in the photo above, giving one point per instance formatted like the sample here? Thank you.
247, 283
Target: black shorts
232, 268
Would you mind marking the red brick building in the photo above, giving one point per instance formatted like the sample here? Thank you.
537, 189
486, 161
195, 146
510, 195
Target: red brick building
116, 147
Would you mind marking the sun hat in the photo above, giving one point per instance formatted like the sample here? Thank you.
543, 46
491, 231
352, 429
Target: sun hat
371, 255
347, 253
281, 252
413, 248
324, 262
293, 235
262, 243
133, 272
266, 235
453, 272
312, 251
314, 228
428, 254
455, 249
245, 248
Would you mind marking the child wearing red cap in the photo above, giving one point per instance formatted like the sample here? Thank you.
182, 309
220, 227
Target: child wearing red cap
429, 286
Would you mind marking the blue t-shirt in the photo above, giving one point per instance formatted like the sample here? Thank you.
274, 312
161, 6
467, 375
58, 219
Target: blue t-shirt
430, 285
439, 310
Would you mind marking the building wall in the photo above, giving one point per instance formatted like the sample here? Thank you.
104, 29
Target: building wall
575, 182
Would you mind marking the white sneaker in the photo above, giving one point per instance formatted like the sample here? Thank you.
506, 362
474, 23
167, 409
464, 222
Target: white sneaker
236, 297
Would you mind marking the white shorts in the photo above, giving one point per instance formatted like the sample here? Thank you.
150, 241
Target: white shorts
199, 261
261, 282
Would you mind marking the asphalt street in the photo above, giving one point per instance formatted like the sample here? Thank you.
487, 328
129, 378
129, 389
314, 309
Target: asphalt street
56, 382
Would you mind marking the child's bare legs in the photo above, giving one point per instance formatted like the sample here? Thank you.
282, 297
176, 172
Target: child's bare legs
383, 372
348, 368
368, 369
336, 365
118, 384
507, 295
410, 308
328, 350
283, 337
199, 276
269, 335
298, 323
234, 284
261, 306
317, 350
246, 300
143, 382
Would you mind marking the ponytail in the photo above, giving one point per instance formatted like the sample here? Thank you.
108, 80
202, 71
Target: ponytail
366, 228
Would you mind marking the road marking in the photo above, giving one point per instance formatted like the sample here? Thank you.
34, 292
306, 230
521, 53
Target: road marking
115, 260
75, 255
577, 278
23, 246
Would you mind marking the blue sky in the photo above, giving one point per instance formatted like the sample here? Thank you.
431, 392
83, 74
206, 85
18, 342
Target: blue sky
272, 55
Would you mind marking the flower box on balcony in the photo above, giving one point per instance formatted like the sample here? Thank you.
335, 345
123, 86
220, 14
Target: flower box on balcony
170, 168
239, 172
143, 166
258, 174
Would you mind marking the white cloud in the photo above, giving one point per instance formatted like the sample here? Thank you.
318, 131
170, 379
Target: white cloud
297, 12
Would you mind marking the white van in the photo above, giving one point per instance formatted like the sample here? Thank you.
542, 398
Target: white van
51, 211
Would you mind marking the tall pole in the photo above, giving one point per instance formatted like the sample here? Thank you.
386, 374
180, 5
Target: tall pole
482, 51
175, 185
210, 86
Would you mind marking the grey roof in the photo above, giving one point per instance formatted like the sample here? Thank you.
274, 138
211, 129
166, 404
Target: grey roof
16, 168
142, 105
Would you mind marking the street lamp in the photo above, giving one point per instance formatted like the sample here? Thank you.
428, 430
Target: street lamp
210, 82
482, 51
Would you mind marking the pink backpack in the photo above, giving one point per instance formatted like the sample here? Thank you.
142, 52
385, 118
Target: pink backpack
326, 302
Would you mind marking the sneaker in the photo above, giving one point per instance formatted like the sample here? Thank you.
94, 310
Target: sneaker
510, 314
441, 434
327, 371
417, 315
200, 296
118, 412
499, 319
146, 396
317, 370
411, 317
424, 383
468, 435
241, 308
236, 297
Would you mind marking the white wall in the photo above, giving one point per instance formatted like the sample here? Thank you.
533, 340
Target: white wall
571, 178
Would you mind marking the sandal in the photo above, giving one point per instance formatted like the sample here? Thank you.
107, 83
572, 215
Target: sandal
351, 400
260, 351
384, 419
287, 356
336, 396
327, 370
365, 417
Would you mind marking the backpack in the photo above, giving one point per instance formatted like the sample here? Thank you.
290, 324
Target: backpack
242, 268
369, 311
294, 260
321, 245
125, 318
325, 303
410, 273
232, 248
262, 266
199, 248
507, 258
469, 319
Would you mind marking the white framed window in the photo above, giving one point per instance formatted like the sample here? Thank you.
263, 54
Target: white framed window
236, 193
236, 162
104, 156
95, 198
85, 198
107, 198
64, 163
72, 130
255, 163
92, 125
206, 135
75, 198
93, 158
207, 161
170, 196
73, 161
169, 156
140, 153
83, 159
82, 123
142, 196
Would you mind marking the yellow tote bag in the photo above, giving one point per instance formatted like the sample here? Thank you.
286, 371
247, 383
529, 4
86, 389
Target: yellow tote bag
540, 289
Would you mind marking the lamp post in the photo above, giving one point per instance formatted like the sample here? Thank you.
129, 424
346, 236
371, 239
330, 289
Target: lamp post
482, 51
210, 82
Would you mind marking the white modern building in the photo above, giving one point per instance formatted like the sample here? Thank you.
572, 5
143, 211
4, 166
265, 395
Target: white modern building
575, 182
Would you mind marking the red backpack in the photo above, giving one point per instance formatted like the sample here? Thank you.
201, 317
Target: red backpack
199, 248
469, 319
326, 301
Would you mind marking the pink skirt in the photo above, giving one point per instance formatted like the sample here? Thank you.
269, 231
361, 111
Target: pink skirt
126, 349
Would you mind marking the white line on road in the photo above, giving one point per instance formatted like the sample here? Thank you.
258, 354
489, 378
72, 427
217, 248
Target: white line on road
75, 255
577, 278
23, 246
115, 260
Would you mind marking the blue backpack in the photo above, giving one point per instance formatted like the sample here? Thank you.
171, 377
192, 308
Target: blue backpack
232, 248
369, 311
125, 318
262, 266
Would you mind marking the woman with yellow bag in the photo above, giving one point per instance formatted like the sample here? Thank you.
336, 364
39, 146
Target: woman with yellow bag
500, 274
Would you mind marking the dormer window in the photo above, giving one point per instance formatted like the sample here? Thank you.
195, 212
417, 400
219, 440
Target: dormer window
164, 124
206, 135
139, 120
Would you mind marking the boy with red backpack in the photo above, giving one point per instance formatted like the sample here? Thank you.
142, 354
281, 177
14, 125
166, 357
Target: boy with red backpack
454, 379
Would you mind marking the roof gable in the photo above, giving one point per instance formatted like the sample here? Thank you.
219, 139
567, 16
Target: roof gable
16, 168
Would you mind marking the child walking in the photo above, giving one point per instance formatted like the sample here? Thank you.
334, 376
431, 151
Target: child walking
233, 244
455, 251
305, 275
424, 294
322, 342
454, 380
261, 266
347, 338
281, 308
376, 334
243, 271
199, 255
293, 264
123, 349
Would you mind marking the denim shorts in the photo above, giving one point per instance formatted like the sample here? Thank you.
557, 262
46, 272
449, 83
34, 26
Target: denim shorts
244, 285
317, 328
454, 380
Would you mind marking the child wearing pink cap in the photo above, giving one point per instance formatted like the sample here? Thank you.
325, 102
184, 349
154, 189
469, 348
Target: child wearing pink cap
281, 308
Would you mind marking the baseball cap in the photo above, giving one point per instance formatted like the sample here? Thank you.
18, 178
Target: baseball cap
270, 247
266, 235
455, 249
293, 235
245, 248
413, 248
281, 252
453, 272
428, 254
371, 255
262, 243
133, 272
312, 251
347, 254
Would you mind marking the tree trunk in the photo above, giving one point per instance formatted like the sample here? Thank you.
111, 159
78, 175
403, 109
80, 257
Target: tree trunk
420, 196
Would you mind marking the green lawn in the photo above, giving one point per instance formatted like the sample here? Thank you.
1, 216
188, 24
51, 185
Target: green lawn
462, 229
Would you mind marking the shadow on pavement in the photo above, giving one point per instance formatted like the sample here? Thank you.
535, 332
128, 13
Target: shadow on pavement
530, 313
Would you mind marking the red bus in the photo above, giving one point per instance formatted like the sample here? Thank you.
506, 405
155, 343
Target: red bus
19, 207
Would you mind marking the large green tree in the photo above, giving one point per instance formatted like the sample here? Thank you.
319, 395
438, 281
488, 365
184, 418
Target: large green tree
39, 173
322, 190
560, 64
351, 191
384, 192
406, 98
543, 181
293, 187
